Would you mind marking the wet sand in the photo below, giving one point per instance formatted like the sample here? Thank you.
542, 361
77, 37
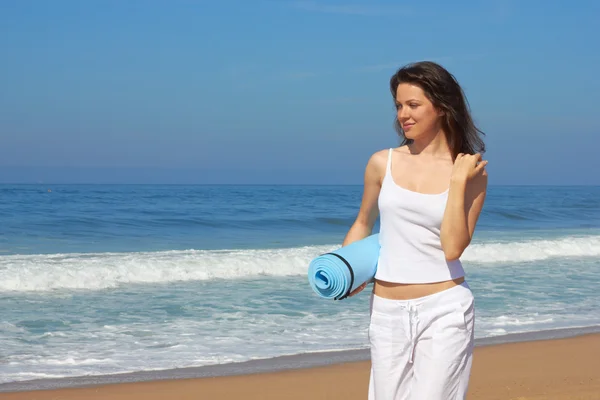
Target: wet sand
534, 370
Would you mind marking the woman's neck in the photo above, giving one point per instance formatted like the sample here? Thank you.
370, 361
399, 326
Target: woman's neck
435, 145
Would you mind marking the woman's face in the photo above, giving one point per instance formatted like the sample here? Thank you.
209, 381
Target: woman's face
416, 114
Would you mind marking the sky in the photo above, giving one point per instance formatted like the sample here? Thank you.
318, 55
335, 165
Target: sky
285, 92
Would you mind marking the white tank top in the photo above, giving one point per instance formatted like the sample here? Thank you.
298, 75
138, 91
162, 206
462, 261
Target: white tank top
409, 235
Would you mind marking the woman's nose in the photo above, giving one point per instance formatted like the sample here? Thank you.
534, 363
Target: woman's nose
403, 114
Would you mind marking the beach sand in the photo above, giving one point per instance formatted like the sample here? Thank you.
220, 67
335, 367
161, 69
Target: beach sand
546, 369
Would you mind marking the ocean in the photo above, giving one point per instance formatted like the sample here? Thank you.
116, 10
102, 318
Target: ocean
108, 279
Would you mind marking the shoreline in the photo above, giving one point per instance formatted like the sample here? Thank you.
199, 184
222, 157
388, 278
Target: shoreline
289, 363
555, 369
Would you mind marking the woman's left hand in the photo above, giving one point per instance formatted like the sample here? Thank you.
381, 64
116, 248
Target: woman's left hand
467, 166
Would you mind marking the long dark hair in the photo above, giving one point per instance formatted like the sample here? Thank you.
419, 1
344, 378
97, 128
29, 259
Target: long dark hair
443, 90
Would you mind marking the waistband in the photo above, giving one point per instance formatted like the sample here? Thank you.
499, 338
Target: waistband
455, 293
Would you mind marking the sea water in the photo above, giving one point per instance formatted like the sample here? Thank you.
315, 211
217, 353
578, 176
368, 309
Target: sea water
102, 279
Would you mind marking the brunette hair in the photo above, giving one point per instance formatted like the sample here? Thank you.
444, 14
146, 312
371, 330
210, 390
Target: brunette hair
443, 90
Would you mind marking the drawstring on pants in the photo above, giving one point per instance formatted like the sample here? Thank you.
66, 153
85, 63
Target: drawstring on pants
413, 320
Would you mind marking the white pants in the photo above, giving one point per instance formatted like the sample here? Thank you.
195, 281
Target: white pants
422, 348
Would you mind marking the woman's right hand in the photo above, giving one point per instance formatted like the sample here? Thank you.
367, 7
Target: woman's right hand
358, 289
369, 210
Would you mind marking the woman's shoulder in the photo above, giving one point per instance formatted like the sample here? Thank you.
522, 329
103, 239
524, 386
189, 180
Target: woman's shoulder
379, 158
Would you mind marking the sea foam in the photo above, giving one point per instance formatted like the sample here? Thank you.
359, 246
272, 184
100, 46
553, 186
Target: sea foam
93, 271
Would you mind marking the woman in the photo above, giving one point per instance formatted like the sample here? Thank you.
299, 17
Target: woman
429, 193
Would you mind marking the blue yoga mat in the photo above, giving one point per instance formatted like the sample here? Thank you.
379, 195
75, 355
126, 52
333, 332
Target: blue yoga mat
334, 275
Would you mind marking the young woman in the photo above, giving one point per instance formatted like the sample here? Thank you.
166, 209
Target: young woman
429, 193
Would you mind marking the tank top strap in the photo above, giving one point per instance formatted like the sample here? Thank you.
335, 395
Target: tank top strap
388, 169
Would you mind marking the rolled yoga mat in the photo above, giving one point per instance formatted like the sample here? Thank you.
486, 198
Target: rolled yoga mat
334, 275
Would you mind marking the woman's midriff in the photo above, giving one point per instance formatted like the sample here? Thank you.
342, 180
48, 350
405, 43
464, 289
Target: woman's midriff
404, 291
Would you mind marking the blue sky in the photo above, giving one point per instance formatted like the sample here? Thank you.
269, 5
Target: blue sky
282, 91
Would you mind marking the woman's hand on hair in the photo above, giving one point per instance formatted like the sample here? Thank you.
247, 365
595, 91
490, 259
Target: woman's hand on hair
467, 167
